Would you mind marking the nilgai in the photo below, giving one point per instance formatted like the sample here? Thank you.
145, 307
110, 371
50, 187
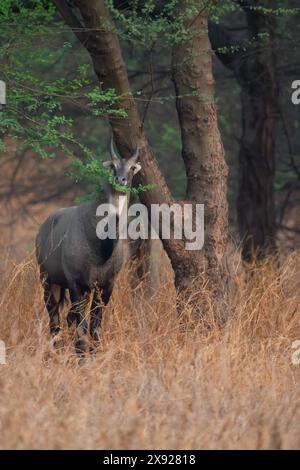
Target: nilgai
72, 257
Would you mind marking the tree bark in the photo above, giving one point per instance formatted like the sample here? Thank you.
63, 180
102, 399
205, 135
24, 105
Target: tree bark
202, 148
96, 32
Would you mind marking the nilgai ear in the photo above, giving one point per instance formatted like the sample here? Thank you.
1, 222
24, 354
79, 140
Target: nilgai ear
136, 168
108, 164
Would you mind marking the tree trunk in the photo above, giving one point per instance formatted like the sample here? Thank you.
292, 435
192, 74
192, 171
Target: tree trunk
202, 148
102, 43
259, 95
255, 71
98, 37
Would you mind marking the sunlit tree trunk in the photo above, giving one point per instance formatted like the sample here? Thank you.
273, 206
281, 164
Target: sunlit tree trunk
202, 148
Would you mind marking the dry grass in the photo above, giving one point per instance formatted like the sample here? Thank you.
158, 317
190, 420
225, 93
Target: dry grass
158, 381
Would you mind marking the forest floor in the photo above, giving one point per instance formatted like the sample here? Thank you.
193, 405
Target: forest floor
157, 380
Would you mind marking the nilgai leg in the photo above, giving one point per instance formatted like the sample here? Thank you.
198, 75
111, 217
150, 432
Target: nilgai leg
53, 297
96, 311
77, 315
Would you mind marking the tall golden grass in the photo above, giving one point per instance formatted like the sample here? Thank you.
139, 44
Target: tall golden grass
157, 380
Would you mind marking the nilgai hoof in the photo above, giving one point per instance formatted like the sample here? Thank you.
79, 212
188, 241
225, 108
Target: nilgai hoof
81, 346
56, 340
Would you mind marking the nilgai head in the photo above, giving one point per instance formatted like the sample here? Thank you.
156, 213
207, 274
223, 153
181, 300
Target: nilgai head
124, 170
